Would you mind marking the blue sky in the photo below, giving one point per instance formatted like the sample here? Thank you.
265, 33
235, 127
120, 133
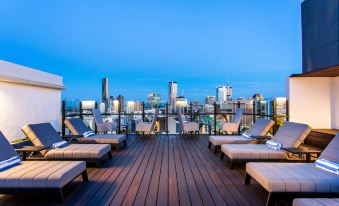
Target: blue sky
254, 45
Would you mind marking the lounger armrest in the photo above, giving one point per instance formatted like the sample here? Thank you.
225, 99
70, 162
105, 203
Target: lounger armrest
72, 138
262, 137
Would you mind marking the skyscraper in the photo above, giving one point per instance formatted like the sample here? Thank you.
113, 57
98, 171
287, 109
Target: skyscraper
224, 94
121, 100
172, 94
104, 93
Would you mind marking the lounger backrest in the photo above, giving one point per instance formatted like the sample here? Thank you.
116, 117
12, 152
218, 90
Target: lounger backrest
331, 152
42, 134
179, 114
76, 126
156, 113
237, 117
6, 149
97, 116
292, 134
261, 127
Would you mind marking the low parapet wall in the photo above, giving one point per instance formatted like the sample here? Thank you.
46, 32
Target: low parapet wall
27, 96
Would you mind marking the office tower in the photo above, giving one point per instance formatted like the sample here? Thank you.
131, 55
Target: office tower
153, 100
210, 100
105, 92
121, 100
172, 94
138, 106
110, 104
258, 97
224, 94
130, 107
196, 105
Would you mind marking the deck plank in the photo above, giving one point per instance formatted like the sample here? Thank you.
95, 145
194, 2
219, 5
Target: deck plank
158, 170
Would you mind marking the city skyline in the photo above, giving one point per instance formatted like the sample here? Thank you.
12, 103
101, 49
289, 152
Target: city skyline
140, 46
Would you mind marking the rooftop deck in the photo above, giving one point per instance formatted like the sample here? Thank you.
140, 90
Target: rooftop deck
163, 170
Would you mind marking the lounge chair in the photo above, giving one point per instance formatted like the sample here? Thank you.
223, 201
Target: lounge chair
102, 127
147, 127
289, 135
232, 127
44, 134
77, 127
259, 128
187, 127
37, 177
297, 179
316, 202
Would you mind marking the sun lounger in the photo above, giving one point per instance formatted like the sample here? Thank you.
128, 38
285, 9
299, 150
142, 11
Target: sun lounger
147, 127
187, 127
259, 128
232, 127
102, 127
316, 202
77, 127
297, 179
44, 134
37, 177
289, 135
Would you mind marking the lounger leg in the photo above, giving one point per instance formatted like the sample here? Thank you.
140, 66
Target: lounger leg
222, 155
84, 176
109, 155
209, 144
270, 199
216, 148
60, 196
247, 179
231, 165
98, 163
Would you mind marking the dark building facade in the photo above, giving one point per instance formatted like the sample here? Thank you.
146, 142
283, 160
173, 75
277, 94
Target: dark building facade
320, 34
105, 92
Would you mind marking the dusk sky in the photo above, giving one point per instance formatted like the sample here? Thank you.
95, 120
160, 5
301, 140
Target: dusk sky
253, 45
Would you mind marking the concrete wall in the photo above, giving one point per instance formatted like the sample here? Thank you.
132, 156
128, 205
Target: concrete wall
320, 34
27, 96
314, 100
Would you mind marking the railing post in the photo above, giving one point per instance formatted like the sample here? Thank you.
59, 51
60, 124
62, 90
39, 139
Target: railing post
143, 111
95, 125
119, 117
166, 119
274, 117
215, 118
287, 110
191, 114
253, 113
63, 117
80, 109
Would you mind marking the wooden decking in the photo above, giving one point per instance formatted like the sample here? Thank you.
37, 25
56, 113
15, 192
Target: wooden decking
162, 170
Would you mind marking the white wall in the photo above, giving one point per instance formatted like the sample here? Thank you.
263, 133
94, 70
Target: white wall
335, 102
313, 100
27, 96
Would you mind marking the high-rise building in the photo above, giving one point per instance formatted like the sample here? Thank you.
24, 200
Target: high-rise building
172, 94
104, 93
153, 100
258, 97
138, 107
130, 107
121, 100
210, 100
224, 94
196, 105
